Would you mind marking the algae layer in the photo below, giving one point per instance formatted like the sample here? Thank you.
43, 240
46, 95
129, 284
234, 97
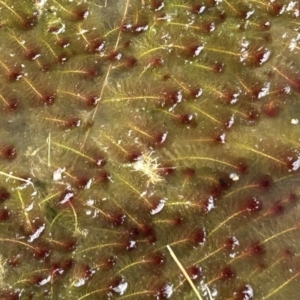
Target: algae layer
149, 149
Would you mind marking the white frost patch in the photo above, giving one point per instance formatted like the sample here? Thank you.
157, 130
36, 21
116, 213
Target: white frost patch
167, 290
249, 14
198, 51
294, 42
222, 137
88, 185
57, 174
142, 28
200, 91
201, 9
36, 234
39, 5
44, 281
265, 57
235, 242
121, 288
160, 7
29, 207
158, 208
234, 176
210, 204
234, 98
231, 121
90, 202
248, 292
149, 166
296, 164
264, 91
131, 245
67, 197
79, 282
291, 5
294, 121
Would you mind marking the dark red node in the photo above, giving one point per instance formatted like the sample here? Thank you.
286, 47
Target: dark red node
197, 9
264, 182
4, 194
91, 100
14, 261
4, 214
8, 152
114, 56
67, 244
157, 62
240, 165
13, 104
83, 271
275, 8
170, 97
109, 262
251, 115
66, 264
37, 279
165, 170
133, 155
91, 72
48, 99
158, 137
187, 119
218, 67
14, 75
63, 42
62, 58
45, 67
7, 294
80, 13
192, 49
259, 56
130, 62
276, 209
198, 236
224, 183
116, 218
195, 92
71, 122
291, 198
97, 45
32, 54
188, 173
156, 259
226, 273
231, 243
177, 220
255, 249
271, 108
194, 272
28, 22
291, 160
253, 205
41, 252
102, 176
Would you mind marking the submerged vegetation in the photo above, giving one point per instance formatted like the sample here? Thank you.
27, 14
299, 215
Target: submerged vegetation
149, 149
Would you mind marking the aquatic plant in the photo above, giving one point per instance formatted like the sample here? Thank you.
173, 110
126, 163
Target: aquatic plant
149, 149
